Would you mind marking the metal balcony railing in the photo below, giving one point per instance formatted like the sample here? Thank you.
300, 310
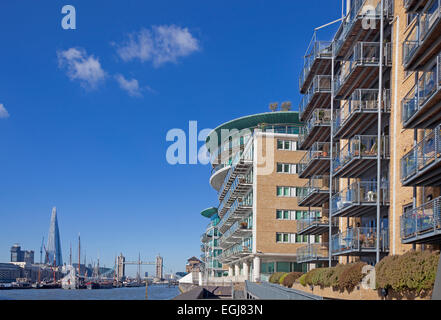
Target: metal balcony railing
361, 147
361, 100
359, 239
426, 152
245, 202
242, 225
313, 252
235, 251
317, 49
360, 9
314, 218
315, 184
422, 221
420, 31
358, 194
365, 54
319, 117
428, 84
320, 84
319, 150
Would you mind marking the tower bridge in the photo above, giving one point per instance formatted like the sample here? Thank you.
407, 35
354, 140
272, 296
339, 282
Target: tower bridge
121, 266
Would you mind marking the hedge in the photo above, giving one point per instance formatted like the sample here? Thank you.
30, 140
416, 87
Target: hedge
342, 276
275, 277
290, 278
413, 271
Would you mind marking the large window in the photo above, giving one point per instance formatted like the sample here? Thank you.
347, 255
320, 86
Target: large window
290, 168
287, 145
283, 237
286, 191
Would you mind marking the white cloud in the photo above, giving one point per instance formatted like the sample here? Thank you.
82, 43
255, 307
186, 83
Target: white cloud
160, 45
131, 86
80, 66
3, 112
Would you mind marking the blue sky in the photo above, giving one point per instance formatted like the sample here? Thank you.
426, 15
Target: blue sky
84, 113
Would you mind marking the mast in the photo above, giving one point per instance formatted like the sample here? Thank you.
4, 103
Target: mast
79, 254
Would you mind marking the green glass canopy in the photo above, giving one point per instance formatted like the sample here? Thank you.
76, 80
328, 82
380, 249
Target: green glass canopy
208, 213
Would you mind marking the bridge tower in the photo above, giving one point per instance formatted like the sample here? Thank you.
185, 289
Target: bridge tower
159, 267
120, 268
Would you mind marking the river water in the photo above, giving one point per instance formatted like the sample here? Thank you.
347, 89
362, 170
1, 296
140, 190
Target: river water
154, 293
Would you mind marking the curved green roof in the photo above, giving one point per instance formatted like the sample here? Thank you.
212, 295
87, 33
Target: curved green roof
208, 213
251, 121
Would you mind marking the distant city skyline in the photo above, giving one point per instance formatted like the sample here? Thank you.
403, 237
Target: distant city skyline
84, 114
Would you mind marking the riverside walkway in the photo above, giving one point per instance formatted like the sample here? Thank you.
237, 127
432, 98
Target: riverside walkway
269, 291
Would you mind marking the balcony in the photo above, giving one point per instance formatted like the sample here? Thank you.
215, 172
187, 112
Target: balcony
359, 199
359, 155
314, 253
422, 165
238, 231
360, 112
234, 253
352, 29
316, 160
317, 61
422, 224
420, 107
317, 128
414, 5
315, 223
359, 241
240, 207
423, 41
315, 192
318, 96
362, 68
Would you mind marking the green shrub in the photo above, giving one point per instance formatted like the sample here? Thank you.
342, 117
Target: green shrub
351, 276
302, 280
413, 271
282, 278
290, 278
332, 281
275, 277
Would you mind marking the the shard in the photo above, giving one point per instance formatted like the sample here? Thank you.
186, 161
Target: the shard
53, 250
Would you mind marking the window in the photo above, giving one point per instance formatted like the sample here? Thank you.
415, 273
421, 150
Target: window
285, 214
285, 237
286, 191
301, 239
287, 168
287, 145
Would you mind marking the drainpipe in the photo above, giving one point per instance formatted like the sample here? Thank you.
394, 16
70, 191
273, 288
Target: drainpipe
379, 149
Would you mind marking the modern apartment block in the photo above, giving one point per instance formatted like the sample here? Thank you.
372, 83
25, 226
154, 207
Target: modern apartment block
255, 175
210, 245
371, 107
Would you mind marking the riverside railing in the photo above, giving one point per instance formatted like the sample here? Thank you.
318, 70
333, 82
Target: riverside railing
360, 193
426, 152
428, 84
359, 147
359, 239
422, 220
421, 29
361, 100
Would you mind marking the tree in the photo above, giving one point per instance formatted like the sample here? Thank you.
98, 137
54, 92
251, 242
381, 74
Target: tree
286, 106
274, 106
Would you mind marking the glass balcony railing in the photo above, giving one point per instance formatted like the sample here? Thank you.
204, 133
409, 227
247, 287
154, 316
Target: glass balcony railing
313, 252
318, 118
361, 9
359, 239
320, 84
246, 202
317, 50
426, 152
319, 150
361, 101
360, 193
419, 33
428, 84
361, 147
237, 250
313, 218
242, 225
316, 184
365, 54
421, 221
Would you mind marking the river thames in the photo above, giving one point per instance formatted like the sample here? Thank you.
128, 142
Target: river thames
154, 293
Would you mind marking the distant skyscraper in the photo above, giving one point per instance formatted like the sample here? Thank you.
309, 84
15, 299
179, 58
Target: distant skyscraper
53, 243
